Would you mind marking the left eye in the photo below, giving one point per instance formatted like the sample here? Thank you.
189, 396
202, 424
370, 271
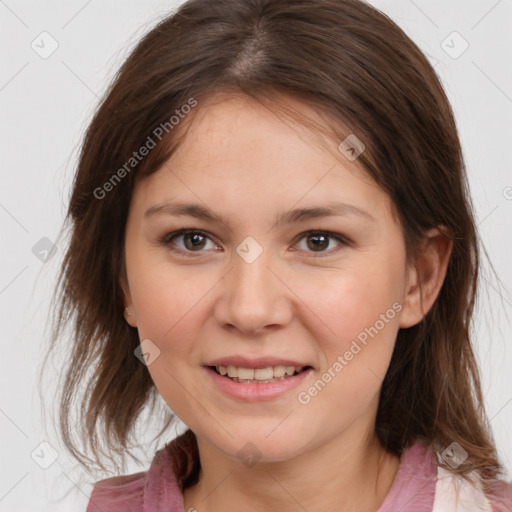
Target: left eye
321, 240
197, 238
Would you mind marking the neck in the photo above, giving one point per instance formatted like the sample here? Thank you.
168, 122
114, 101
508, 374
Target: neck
343, 474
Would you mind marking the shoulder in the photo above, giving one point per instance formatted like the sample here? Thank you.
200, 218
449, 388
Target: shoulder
155, 489
120, 493
501, 498
415, 483
457, 494
423, 485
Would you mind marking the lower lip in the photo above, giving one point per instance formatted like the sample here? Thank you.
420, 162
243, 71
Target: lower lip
253, 391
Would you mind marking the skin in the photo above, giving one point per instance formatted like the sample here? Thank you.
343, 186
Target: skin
295, 300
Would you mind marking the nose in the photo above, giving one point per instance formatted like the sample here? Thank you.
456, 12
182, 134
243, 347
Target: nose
254, 298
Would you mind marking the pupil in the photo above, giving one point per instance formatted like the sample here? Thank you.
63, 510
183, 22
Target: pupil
320, 245
189, 236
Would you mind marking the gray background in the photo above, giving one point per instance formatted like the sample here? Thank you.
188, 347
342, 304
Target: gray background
46, 104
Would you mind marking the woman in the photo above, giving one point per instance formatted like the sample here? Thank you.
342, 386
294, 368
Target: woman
272, 231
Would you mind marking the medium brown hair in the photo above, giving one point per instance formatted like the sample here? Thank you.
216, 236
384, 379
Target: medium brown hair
364, 74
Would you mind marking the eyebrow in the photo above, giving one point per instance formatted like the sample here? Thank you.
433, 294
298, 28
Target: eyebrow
300, 214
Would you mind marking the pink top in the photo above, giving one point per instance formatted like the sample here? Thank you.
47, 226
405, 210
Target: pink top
419, 486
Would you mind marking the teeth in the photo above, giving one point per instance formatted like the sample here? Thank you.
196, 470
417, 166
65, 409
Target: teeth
259, 374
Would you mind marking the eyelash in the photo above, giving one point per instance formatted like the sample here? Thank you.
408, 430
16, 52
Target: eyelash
166, 241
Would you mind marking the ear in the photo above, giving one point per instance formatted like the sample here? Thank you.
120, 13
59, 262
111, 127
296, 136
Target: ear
426, 276
128, 312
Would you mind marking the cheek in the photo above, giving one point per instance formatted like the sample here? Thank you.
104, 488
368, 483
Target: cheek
347, 301
165, 298
168, 304
359, 315
165, 316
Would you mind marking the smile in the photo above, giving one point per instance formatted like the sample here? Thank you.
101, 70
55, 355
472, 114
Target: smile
263, 385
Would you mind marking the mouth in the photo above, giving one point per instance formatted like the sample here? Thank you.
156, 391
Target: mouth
264, 375
260, 383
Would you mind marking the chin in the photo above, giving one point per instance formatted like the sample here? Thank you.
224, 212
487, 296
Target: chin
261, 447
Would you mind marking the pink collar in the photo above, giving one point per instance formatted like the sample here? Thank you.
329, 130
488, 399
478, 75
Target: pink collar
413, 488
157, 490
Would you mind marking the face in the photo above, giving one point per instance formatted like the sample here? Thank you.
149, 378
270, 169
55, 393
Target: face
319, 291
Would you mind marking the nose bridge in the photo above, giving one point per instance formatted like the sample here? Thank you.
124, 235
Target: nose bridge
251, 275
255, 297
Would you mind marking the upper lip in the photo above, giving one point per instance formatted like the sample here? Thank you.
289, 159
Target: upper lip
260, 362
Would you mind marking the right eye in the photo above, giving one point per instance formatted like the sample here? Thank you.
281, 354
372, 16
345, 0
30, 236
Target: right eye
192, 238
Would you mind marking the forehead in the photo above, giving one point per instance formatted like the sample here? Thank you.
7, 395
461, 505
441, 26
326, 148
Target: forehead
223, 122
239, 154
